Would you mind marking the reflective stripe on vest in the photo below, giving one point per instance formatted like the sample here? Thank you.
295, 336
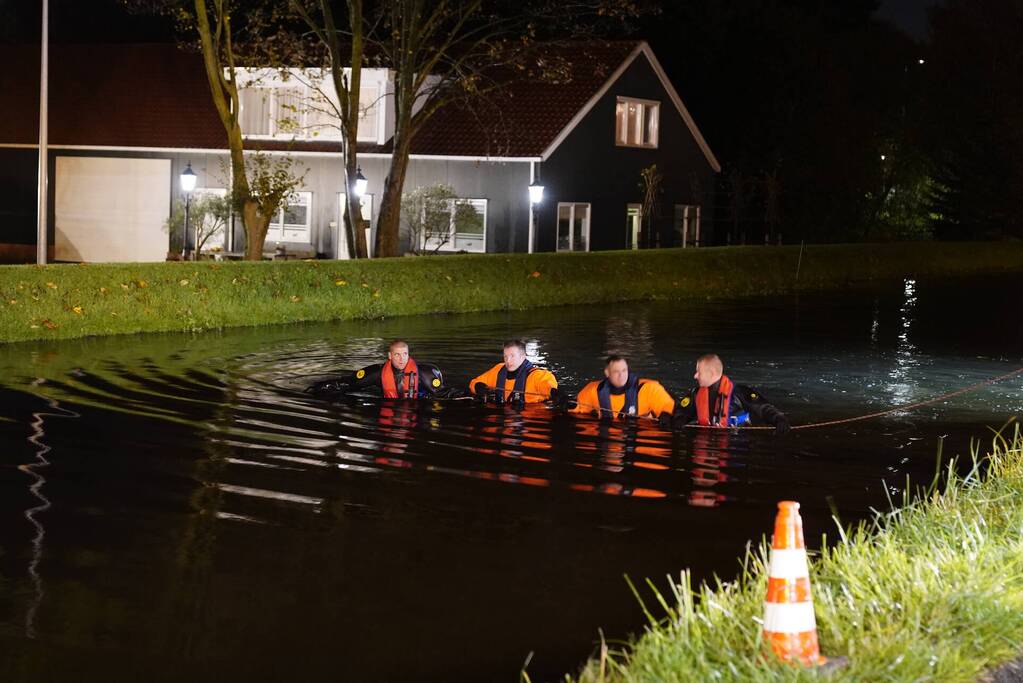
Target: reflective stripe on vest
520, 379
631, 405
409, 381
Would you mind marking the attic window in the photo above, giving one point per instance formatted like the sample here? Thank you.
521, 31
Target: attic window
636, 122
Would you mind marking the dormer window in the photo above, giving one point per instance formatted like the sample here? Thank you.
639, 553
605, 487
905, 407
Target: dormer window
636, 122
296, 106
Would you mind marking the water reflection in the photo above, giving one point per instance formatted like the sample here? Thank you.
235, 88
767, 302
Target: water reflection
35, 471
906, 361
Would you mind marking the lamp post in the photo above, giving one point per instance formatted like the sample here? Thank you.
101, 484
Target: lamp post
360, 184
188, 178
535, 197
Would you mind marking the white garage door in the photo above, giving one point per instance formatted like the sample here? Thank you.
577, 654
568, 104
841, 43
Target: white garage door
110, 210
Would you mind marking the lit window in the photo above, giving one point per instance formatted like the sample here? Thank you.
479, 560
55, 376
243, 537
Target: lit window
291, 224
636, 122
573, 227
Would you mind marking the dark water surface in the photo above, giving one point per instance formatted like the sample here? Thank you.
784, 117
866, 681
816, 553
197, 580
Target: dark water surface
172, 507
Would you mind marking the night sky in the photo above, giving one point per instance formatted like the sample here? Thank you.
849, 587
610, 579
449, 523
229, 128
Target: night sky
82, 21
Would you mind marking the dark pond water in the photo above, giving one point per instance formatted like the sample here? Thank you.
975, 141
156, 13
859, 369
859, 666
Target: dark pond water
172, 507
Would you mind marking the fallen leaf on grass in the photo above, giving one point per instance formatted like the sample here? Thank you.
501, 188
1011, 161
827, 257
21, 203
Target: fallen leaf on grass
535, 273
50, 325
183, 283
51, 285
295, 299
341, 283
77, 310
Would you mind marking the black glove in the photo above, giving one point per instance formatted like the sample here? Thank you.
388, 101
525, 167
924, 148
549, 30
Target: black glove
451, 392
561, 400
781, 425
665, 420
517, 399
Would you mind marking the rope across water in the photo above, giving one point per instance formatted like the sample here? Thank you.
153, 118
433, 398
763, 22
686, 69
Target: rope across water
858, 418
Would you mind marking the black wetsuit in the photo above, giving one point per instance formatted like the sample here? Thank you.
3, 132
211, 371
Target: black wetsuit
430, 380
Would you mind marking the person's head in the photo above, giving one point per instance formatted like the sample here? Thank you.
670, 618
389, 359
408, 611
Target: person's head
397, 353
514, 354
708, 369
616, 369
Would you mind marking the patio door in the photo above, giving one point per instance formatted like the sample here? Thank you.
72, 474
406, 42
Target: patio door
573, 227
633, 225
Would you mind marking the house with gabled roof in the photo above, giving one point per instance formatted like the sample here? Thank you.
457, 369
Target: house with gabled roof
125, 120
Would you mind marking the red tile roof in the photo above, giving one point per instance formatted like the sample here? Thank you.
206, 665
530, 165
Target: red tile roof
156, 96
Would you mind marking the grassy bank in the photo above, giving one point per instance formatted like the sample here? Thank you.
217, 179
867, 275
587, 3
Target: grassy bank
62, 301
932, 591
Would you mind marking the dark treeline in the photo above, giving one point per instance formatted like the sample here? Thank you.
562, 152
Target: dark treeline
830, 128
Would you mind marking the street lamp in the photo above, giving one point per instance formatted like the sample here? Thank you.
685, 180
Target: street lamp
360, 183
535, 192
188, 178
535, 197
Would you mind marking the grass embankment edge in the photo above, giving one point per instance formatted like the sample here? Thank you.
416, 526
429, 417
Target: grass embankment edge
929, 591
69, 300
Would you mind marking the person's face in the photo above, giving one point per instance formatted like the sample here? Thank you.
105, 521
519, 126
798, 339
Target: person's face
706, 375
617, 373
398, 356
513, 357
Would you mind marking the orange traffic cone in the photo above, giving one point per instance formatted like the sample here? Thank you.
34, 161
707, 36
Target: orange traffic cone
789, 623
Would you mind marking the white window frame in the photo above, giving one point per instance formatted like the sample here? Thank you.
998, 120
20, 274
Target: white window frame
278, 231
690, 216
571, 224
452, 243
648, 134
632, 238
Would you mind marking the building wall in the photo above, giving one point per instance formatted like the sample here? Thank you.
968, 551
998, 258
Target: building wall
503, 184
19, 172
589, 168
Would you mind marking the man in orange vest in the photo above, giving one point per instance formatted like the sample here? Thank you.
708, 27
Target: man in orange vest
516, 380
717, 402
622, 394
398, 377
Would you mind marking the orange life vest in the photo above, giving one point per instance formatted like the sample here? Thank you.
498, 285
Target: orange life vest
719, 416
409, 381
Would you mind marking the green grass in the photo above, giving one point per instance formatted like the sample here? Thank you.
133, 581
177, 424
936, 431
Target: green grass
64, 301
930, 591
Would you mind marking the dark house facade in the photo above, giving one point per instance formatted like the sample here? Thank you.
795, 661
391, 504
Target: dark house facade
118, 143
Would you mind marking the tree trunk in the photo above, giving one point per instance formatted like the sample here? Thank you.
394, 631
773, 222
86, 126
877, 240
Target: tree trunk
354, 225
388, 242
255, 231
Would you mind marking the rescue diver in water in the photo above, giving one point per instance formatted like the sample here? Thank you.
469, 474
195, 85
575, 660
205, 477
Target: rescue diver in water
623, 394
717, 402
398, 377
516, 380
